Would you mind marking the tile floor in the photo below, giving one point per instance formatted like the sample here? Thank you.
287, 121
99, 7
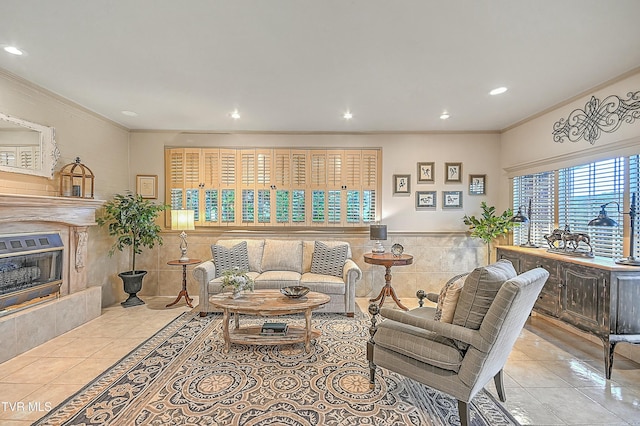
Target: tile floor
553, 377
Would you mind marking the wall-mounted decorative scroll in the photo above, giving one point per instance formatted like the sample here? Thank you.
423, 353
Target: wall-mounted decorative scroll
597, 117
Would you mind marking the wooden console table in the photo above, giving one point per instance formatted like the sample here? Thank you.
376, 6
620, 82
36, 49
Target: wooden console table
388, 260
594, 295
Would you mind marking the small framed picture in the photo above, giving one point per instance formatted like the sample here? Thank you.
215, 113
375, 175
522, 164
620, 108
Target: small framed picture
453, 172
401, 184
451, 199
477, 184
426, 172
425, 200
147, 186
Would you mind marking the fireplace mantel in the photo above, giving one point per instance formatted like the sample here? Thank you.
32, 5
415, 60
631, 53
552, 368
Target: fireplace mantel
34, 208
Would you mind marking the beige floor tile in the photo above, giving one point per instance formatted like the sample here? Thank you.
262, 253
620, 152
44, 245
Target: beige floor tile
12, 392
47, 348
81, 347
14, 364
534, 374
573, 407
42, 400
527, 410
118, 348
42, 371
84, 372
624, 402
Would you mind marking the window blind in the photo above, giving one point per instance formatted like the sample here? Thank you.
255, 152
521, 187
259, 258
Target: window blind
540, 189
581, 191
634, 185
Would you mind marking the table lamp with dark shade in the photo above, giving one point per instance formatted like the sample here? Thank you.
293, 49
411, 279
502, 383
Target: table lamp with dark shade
522, 218
183, 220
604, 220
378, 233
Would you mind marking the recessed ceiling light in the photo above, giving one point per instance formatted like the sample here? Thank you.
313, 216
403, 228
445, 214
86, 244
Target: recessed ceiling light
235, 114
347, 115
13, 50
498, 91
130, 113
444, 115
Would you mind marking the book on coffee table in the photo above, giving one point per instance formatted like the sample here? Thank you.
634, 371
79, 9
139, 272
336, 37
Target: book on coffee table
274, 329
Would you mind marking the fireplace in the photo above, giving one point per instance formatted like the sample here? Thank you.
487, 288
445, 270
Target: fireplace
30, 269
44, 252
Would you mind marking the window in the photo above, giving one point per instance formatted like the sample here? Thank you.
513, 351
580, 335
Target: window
275, 187
634, 185
539, 189
581, 191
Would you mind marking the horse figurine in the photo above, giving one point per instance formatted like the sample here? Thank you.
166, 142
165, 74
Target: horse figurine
568, 239
551, 238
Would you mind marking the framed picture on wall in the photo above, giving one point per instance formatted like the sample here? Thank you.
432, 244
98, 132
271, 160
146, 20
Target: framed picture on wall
451, 199
147, 186
453, 172
426, 172
401, 184
477, 184
425, 200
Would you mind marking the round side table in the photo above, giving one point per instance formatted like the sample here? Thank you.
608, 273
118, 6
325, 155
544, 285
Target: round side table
183, 292
388, 260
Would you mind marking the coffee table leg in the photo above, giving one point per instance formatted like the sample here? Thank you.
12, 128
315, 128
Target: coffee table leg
225, 330
307, 329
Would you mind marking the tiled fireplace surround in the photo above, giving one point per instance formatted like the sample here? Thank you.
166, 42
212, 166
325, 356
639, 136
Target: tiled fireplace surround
21, 214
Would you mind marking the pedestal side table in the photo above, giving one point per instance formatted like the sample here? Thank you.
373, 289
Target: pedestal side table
388, 260
183, 292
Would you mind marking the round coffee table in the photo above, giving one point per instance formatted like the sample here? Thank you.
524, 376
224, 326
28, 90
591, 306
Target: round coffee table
267, 303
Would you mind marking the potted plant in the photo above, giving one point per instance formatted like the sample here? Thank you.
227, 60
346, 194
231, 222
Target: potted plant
489, 226
132, 220
238, 280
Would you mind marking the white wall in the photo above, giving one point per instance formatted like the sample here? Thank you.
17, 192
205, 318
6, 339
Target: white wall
478, 153
530, 147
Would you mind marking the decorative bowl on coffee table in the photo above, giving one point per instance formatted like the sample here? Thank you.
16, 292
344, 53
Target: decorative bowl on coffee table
294, 292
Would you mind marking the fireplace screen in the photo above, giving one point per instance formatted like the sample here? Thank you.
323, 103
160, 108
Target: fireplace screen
30, 267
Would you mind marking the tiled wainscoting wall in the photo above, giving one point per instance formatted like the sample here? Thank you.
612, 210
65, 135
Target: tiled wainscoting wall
437, 257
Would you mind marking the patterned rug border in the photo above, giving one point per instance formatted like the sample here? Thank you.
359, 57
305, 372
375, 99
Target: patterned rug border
484, 404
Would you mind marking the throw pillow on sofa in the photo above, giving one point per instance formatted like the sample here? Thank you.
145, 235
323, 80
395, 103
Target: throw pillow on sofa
328, 261
228, 258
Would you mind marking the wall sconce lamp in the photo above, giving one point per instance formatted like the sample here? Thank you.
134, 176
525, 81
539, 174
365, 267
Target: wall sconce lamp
377, 233
604, 220
522, 218
183, 220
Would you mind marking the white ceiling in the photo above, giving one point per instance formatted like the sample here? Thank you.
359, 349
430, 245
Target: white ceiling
297, 65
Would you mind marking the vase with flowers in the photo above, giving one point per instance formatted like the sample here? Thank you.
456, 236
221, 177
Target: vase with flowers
238, 280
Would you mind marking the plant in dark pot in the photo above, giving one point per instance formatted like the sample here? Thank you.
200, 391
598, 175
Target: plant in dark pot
132, 220
489, 226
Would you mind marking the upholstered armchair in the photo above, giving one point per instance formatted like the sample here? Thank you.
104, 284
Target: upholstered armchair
458, 358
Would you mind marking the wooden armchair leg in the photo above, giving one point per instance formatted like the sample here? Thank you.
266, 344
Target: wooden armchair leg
498, 379
463, 412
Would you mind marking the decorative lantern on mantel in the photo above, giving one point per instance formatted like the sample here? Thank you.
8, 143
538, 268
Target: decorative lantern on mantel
76, 180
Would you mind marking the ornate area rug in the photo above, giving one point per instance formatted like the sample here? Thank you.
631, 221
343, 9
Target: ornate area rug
180, 376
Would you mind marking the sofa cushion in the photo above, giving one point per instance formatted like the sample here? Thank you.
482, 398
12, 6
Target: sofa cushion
328, 261
480, 288
327, 284
277, 279
282, 255
229, 258
419, 344
448, 299
254, 249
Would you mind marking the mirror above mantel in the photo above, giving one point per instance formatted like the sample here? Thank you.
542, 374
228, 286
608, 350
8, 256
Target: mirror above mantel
27, 147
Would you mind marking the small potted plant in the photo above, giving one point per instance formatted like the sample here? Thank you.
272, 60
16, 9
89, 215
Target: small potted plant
132, 220
489, 226
238, 280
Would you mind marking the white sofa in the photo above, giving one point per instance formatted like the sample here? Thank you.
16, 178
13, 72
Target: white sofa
277, 263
